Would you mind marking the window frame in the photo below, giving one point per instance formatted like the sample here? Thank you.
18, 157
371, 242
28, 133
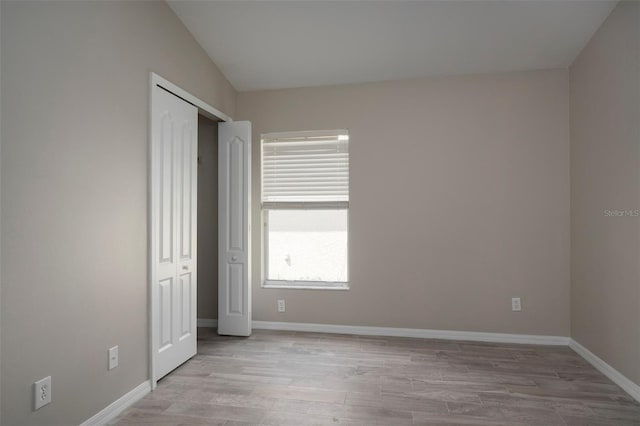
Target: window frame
265, 207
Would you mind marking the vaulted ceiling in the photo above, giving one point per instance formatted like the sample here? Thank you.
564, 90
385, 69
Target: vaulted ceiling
278, 44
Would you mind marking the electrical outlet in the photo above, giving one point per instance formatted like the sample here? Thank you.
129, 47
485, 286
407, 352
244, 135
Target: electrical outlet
42, 392
281, 306
113, 357
516, 304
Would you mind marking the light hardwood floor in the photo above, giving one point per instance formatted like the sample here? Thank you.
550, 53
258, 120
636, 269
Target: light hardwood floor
291, 378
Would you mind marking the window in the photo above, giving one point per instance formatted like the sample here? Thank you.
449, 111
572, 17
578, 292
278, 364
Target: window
305, 209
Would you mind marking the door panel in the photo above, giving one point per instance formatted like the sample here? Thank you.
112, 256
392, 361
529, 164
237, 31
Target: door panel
174, 197
186, 190
235, 290
186, 306
165, 295
235, 163
166, 188
234, 182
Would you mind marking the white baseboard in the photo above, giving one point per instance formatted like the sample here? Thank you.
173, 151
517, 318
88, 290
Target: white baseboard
413, 332
112, 411
206, 322
616, 377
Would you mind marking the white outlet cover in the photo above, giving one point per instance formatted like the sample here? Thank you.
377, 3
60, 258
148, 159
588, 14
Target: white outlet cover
281, 305
113, 357
42, 392
516, 304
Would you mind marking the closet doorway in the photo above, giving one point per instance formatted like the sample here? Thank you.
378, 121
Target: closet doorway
173, 224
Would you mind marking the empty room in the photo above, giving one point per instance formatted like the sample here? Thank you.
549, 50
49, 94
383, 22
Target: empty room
319, 212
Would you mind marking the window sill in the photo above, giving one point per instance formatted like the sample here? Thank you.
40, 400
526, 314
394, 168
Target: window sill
305, 285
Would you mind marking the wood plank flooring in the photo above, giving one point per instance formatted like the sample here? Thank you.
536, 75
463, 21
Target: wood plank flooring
292, 378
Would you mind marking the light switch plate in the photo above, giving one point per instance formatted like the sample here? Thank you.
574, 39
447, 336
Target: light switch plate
113, 357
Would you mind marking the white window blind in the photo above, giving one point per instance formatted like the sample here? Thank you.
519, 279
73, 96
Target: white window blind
305, 167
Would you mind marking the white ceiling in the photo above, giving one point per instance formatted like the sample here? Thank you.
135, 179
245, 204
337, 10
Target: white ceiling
278, 44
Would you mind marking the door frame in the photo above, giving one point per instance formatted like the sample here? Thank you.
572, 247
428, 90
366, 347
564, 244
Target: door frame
209, 112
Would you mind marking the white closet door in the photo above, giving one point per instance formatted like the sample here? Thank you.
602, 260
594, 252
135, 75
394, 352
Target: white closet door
234, 203
173, 242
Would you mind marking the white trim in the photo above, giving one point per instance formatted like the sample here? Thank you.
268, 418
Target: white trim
208, 111
614, 375
114, 409
312, 285
305, 205
204, 107
304, 134
151, 267
529, 339
207, 323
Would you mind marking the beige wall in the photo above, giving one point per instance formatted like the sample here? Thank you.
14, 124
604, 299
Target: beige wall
605, 175
75, 86
207, 218
459, 201
459, 197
